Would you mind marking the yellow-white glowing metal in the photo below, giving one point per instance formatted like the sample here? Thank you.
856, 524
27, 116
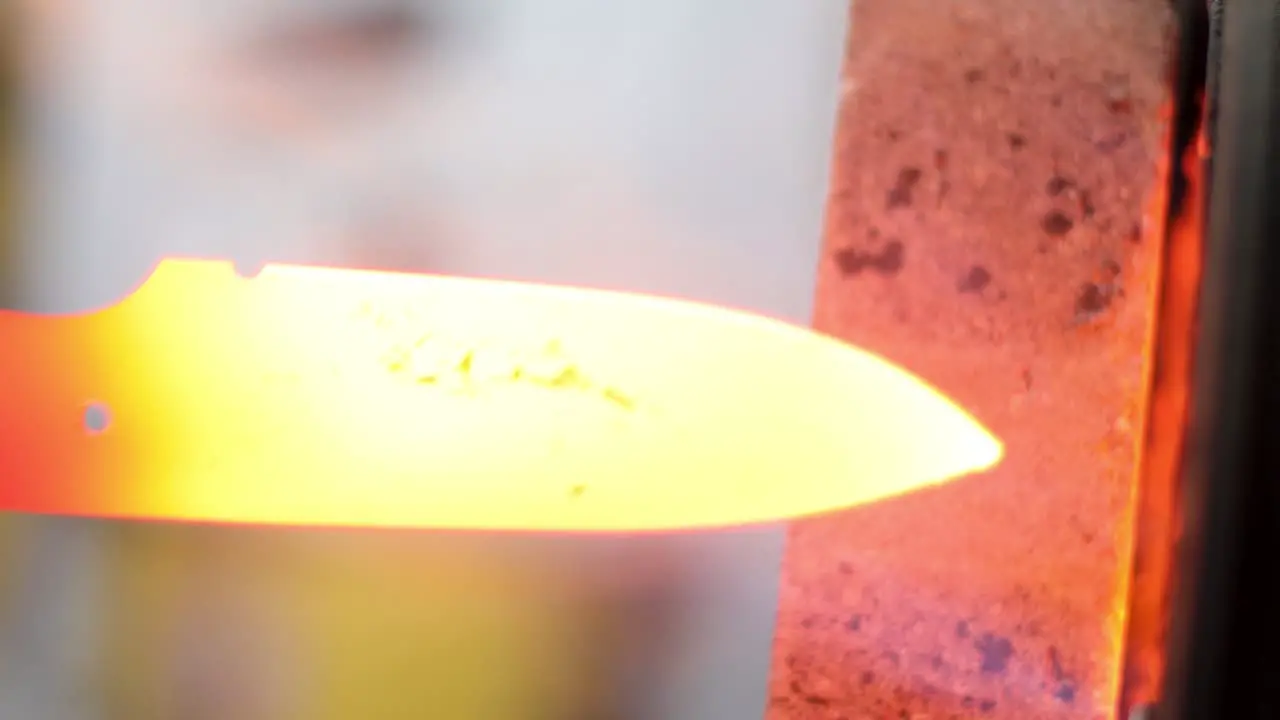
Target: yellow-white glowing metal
313, 396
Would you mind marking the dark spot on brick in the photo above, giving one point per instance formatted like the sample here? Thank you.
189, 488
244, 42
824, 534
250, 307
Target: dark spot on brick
808, 622
867, 677
1119, 103
995, 652
1112, 142
854, 623
845, 568
1087, 209
1017, 141
962, 629
817, 700
894, 135
974, 280
1066, 692
940, 160
909, 176
987, 705
1055, 223
1111, 269
892, 258
974, 75
851, 261
1054, 661
873, 232
1058, 185
897, 197
900, 195
1135, 233
1055, 101
796, 688
966, 702
1027, 379
888, 261
936, 662
1092, 299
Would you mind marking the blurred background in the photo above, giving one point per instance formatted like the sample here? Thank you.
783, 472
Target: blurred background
984, 229
621, 146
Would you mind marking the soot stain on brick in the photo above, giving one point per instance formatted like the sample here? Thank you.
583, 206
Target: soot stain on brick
941, 160
1016, 141
1064, 684
897, 197
1058, 185
974, 76
975, 280
888, 261
995, 652
1055, 223
1111, 269
855, 623
1092, 299
901, 194
1087, 209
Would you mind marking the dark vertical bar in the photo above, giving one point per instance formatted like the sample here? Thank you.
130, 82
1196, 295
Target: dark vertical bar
1222, 656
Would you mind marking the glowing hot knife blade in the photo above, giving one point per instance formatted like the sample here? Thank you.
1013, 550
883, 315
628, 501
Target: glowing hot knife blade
321, 396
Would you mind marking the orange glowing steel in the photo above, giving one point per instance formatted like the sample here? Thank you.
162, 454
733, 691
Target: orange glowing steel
1144, 609
337, 397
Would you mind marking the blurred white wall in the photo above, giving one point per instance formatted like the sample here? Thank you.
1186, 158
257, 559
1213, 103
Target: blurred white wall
667, 146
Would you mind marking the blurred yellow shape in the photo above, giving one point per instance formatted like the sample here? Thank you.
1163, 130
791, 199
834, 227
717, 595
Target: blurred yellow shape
313, 396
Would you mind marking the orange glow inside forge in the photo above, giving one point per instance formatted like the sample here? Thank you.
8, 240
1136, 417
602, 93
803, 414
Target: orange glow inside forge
326, 397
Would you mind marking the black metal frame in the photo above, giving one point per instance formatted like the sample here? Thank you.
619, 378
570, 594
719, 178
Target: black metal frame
1224, 643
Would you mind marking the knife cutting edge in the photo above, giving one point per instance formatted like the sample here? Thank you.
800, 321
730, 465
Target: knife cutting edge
334, 397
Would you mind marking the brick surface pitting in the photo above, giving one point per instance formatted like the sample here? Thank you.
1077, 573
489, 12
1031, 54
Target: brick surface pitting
991, 165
